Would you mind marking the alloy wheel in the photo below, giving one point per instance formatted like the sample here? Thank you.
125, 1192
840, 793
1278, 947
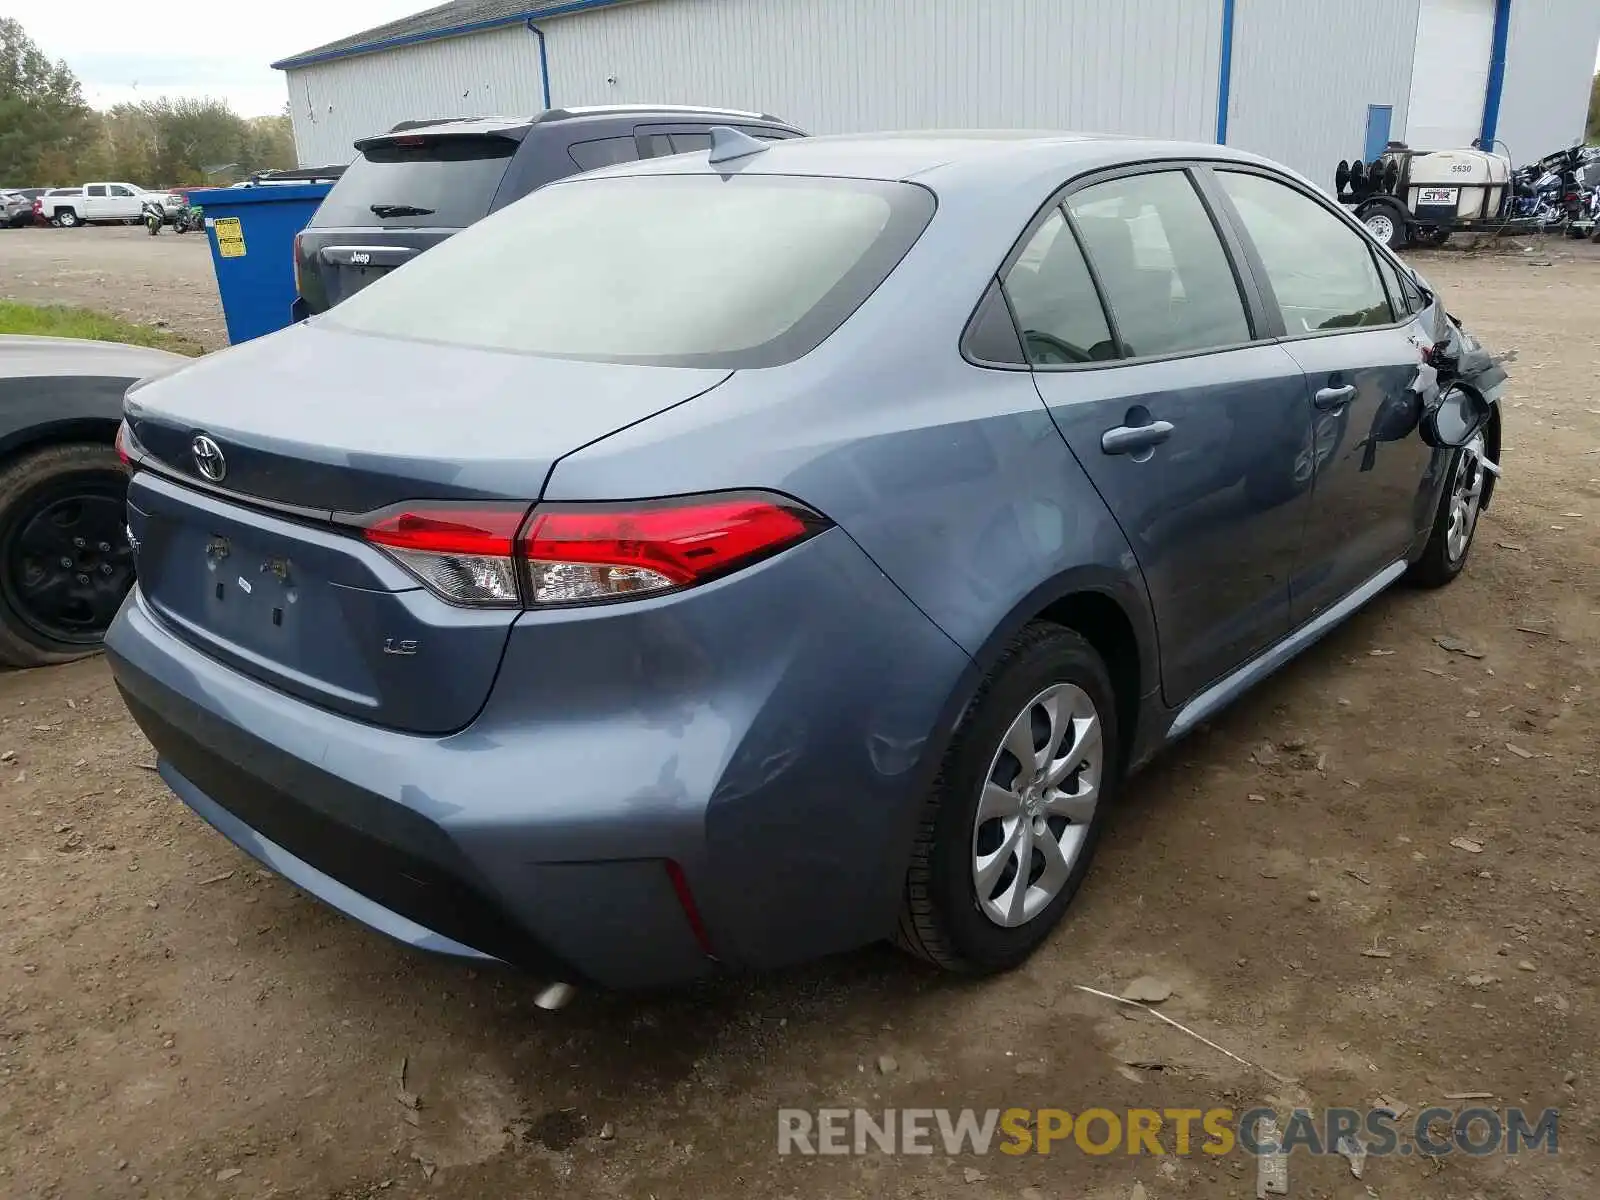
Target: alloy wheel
1466, 498
1039, 798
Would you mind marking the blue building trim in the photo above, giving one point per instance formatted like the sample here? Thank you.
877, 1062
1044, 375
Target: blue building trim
1225, 71
433, 35
544, 62
1497, 74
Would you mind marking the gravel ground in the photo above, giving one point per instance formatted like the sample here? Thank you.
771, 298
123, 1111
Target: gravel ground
177, 1023
118, 269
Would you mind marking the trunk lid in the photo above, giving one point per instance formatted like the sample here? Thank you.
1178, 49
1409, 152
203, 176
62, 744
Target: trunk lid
264, 569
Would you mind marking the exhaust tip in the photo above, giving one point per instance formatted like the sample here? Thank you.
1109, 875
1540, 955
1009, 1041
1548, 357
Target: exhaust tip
556, 996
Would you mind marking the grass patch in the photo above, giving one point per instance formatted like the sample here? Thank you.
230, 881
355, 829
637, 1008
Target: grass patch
59, 320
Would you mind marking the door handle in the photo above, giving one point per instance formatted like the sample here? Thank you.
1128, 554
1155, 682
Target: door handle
1330, 399
1130, 439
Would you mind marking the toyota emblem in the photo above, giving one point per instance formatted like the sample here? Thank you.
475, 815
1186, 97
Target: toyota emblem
208, 459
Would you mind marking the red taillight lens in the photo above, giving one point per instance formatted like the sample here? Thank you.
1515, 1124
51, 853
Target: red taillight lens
496, 555
462, 552
122, 445
584, 553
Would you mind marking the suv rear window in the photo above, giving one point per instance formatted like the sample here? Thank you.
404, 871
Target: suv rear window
454, 178
672, 270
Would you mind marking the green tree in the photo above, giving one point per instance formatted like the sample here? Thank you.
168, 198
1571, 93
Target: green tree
44, 123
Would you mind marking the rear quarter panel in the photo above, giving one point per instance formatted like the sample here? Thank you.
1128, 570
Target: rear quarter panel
952, 477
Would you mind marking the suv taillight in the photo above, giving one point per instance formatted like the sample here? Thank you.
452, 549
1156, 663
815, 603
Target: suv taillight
121, 444
503, 555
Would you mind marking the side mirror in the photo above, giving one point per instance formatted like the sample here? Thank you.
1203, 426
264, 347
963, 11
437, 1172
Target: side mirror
1454, 418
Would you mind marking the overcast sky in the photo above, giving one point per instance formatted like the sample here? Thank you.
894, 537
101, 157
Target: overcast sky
134, 49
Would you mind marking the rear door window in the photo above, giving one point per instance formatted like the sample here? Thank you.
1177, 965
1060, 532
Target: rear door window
1320, 269
603, 152
1057, 307
97, 189
408, 182
1167, 278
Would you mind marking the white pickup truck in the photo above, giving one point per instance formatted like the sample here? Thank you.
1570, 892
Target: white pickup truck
96, 202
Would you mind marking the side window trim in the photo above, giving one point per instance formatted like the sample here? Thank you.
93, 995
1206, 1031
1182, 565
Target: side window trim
1390, 278
1259, 267
1261, 310
994, 292
1106, 310
1261, 302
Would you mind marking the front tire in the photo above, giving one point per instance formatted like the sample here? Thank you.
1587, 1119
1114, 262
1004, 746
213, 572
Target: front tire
1456, 522
1010, 827
65, 562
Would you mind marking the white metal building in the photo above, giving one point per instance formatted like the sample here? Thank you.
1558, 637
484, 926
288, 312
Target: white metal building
1308, 82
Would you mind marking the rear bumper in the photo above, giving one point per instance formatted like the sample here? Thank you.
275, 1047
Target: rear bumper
772, 734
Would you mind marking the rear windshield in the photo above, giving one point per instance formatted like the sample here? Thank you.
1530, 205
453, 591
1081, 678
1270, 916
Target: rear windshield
673, 270
453, 178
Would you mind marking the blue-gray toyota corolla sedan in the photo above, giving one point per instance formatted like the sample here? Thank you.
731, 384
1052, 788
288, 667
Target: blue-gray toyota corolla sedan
720, 561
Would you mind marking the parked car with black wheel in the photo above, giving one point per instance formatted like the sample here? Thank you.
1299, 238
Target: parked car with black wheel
411, 188
65, 564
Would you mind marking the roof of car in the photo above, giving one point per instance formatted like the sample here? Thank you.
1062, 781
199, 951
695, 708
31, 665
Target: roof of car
945, 154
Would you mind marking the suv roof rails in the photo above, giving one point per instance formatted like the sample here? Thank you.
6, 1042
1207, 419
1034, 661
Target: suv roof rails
696, 110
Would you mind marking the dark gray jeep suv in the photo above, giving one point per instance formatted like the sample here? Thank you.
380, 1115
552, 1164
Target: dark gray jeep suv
414, 186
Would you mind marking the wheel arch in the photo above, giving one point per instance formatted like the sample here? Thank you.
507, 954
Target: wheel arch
38, 410
18, 442
1110, 610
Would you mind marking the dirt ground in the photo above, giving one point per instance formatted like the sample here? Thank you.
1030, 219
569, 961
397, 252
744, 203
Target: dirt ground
177, 1023
118, 269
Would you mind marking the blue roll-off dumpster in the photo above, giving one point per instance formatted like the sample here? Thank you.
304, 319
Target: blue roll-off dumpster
251, 230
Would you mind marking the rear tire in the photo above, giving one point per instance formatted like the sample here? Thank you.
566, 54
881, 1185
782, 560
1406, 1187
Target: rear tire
967, 906
61, 503
67, 219
1455, 524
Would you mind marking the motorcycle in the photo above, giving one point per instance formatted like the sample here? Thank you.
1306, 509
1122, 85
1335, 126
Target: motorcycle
1555, 195
188, 219
153, 215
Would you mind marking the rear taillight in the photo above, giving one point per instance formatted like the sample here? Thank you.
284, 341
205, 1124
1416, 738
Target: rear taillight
501, 555
122, 445
463, 553
580, 553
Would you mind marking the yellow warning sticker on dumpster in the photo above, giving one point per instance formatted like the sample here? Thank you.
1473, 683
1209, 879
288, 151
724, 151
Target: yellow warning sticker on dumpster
230, 237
